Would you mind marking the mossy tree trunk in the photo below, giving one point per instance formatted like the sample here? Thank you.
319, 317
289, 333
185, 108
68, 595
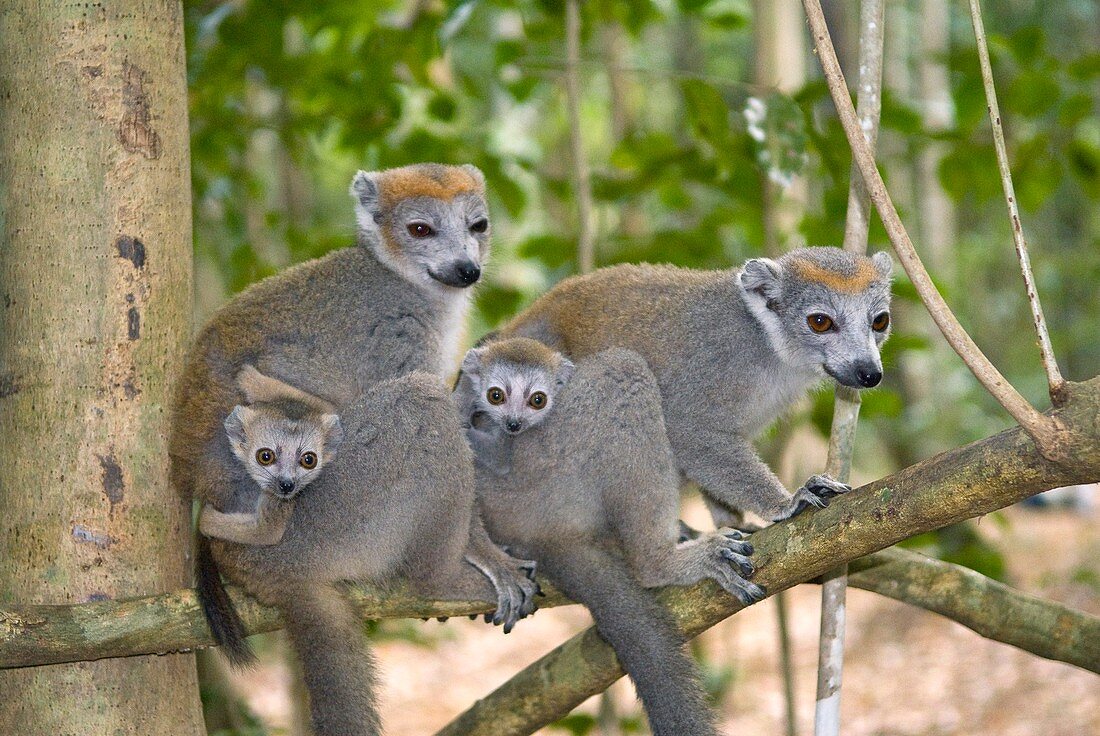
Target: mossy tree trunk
95, 285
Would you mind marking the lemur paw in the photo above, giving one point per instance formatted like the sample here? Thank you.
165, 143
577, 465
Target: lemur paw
516, 593
733, 568
816, 493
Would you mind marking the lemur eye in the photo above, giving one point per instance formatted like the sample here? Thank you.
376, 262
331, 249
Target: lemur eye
881, 322
265, 456
819, 322
420, 229
308, 460
495, 396
480, 226
537, 400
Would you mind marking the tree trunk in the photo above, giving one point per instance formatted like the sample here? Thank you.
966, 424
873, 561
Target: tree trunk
95, 282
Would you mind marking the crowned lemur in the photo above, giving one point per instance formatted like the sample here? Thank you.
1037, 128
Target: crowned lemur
335, 328
591, 494
731, 350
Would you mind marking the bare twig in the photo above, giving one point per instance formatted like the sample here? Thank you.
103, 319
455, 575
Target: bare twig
1055, 382
582, 182
1043, 429
786, 663
830, 654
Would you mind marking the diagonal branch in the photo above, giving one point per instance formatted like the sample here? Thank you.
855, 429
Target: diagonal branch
1055, 382
1042, 428
945, 489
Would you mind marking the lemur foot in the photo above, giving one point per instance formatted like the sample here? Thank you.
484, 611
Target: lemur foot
815, 492
514, 582
729, 551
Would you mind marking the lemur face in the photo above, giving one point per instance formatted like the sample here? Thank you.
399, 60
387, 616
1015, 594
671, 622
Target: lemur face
825, 308
513, 384
282, 455
428, 222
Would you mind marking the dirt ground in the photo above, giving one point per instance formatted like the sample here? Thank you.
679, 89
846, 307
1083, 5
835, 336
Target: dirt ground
908, 672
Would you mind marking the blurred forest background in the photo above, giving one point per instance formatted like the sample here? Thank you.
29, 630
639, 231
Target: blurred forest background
711, 139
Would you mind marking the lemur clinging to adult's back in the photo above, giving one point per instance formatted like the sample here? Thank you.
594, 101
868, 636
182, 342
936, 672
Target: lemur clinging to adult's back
507, 387
593, 497
732, 350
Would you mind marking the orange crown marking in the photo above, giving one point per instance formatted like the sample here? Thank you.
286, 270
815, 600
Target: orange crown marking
444, 182
852, 283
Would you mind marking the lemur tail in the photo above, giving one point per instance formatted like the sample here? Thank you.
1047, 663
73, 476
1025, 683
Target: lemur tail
642, 633
221, 616
336, 662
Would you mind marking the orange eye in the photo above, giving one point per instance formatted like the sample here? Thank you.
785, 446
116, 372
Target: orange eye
881, 322
308, 460
265, 456
820, 322
420, 229
495, 396
537, 400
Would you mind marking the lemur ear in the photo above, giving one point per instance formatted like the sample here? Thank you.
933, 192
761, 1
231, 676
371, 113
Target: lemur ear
762, 276
334, 433
365, 191
565, 372
883, 263
475, 172
234, 427
471, 364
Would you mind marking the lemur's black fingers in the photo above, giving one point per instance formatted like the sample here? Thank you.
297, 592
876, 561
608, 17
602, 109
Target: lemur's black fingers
473, 617
743, 564
823, 485
732, 533
442, 619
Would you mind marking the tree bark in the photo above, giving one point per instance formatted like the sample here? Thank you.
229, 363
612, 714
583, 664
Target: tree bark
95, 299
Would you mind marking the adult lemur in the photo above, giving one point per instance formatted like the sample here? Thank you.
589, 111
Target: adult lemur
592, 495
732, 350
335, 327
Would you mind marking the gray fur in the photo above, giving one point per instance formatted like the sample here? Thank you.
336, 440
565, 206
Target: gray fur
403, 490
602, 524
731, 351
335, 328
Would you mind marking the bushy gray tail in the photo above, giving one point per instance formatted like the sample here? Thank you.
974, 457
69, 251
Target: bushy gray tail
642, 633
336, 663
221, 616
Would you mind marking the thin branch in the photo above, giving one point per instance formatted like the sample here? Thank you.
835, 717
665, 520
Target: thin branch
830, 653
1055, 382
992, 609
944, 489
786, 663
1044, 430
582, 181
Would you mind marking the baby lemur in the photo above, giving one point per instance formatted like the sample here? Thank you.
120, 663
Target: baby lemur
592, 496
283, 438
731, 350
505, 388
396, 506
335, 327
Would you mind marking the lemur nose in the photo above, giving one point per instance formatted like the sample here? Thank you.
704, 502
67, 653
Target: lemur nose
286, 486
868, 377
468, 272
512, 425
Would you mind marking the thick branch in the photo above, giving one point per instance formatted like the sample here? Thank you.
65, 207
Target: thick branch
1042, 428
992, 609
1050, 363
957, 485
963, 483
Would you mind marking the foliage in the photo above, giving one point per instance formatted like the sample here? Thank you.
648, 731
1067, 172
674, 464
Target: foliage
289, 98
